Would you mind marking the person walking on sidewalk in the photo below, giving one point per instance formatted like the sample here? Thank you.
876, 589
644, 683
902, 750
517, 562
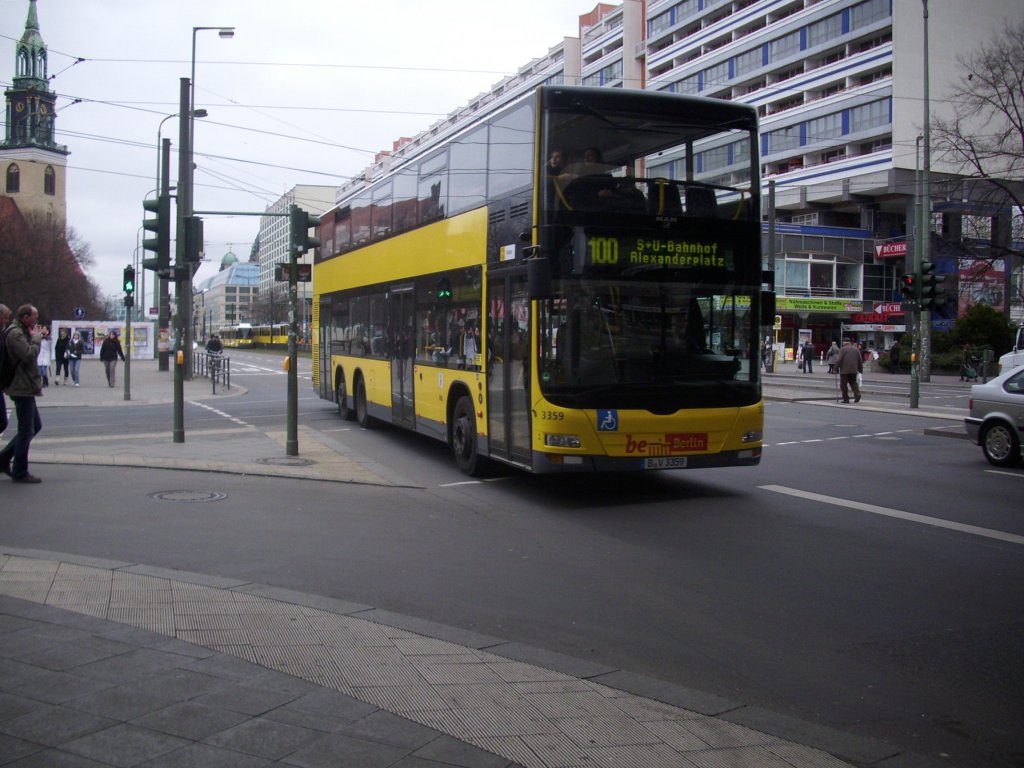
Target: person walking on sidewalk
850, 364
45, 356
831, 356
807, 357
894, 357
5, 321
60, 355
22, 343
110, 350
76, 348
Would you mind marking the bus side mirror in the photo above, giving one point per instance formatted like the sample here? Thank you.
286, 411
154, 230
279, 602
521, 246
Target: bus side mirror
767, 307
538, 277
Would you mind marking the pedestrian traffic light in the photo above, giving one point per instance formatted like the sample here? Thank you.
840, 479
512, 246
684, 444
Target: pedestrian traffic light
129, 280
299, 224
161, 227
933, 292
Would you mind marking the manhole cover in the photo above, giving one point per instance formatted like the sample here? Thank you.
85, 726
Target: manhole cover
188, 497
286, 461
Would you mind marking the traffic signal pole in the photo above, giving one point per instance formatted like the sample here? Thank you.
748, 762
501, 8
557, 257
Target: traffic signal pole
163, 297
181, 287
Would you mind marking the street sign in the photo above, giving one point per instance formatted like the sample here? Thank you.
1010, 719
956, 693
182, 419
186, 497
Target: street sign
79, 313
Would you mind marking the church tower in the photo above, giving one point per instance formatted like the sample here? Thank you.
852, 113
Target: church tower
33, 167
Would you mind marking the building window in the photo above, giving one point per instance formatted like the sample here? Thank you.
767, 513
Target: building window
716, 76
784, 47
868, 13
823, 31
869, 115
827, 127
13, 179
784, 139
49, 181
749, 61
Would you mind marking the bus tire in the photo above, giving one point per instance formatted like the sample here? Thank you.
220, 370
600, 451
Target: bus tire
362, 412
464, 446
344, 410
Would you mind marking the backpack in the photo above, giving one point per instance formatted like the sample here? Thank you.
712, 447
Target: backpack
7, 365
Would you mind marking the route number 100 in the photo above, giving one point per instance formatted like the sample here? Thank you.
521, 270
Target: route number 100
603, 250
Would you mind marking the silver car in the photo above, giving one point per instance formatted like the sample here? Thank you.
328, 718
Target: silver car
996, 422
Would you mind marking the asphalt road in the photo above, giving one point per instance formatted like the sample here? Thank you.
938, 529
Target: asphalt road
865, 576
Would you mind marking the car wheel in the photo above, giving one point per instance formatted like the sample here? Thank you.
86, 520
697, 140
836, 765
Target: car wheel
464, 438
343, 407
362, 412
1000, 444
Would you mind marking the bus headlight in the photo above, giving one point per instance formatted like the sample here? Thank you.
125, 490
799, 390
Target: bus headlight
562, 441
751, 437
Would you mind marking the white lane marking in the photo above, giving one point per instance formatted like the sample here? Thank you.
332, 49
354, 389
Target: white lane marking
879, 435
975, 530
1018, 475
227, 416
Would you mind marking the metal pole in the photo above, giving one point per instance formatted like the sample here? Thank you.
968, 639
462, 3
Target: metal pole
925, 318
181, 285
128, 352
163, 296
292, 437
915, 315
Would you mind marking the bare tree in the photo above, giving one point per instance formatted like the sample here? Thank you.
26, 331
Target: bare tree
984, 139
42, 264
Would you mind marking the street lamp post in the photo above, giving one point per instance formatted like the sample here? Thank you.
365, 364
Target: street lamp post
186, 183
186, 166
163, 187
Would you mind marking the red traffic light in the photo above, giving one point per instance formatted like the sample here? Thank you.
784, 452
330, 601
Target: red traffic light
909, 280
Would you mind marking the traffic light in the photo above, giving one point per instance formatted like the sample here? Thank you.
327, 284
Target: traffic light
161, 227
193, 239
933, 292
299, 223
129, 280
910, 283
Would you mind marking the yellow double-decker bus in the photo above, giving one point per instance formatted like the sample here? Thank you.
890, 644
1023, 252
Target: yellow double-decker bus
571, 284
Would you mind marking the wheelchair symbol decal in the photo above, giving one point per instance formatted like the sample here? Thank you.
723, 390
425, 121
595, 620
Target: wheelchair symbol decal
607, 421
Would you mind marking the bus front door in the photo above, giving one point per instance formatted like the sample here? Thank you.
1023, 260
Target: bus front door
508, 367
402, 339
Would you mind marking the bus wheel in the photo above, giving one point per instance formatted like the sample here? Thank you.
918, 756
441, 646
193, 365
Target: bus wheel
362, 414
343, 407
464, 438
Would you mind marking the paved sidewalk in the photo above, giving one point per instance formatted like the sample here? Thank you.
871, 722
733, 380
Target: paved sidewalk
235, 449
120, 664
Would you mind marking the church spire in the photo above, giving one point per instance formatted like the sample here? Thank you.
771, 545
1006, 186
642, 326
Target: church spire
31, 53
30, 102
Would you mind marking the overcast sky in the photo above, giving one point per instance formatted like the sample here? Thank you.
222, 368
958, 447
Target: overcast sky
305, 93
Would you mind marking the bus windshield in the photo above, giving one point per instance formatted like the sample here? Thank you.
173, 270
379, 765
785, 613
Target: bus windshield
650, 228
660, 346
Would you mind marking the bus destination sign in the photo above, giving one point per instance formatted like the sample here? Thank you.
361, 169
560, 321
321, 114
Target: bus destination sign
674, 253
